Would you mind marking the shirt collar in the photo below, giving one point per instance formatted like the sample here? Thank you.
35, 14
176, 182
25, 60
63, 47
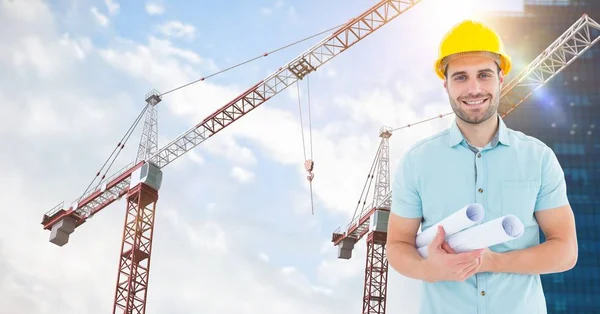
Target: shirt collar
456, 137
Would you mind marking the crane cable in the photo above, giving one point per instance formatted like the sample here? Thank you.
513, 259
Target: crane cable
120, 145
308, 162
118, 150
366, 187
439, 116
253, 59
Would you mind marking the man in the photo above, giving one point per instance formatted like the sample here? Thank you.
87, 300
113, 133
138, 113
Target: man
479, 160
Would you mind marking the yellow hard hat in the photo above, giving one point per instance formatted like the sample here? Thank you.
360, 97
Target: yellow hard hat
471, 36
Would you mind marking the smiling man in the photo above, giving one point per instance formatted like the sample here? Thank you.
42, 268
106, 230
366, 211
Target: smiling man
478, 159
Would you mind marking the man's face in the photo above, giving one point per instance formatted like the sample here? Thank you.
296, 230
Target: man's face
473, 85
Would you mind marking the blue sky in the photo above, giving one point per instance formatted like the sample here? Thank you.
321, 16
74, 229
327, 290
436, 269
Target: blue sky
234, 214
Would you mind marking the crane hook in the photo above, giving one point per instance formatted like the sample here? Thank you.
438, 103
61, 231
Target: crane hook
309, 166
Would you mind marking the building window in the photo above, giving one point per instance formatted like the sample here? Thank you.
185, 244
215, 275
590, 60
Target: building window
569, 149
560, 305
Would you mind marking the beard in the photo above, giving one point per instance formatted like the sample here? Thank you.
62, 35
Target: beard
475, 117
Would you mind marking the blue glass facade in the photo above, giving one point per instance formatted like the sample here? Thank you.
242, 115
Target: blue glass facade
565, 114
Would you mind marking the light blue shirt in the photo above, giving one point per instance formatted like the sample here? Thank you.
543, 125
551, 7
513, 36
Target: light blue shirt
514, 174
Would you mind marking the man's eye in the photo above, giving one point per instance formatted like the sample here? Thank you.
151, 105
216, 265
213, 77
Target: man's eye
459, 78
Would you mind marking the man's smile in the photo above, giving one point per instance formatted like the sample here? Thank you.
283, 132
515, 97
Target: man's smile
475, 102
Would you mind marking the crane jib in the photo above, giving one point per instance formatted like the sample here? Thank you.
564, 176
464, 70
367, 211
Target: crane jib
232, 103
51, 219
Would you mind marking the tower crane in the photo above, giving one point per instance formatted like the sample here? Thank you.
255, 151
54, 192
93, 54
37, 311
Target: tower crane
373, 216
140, 181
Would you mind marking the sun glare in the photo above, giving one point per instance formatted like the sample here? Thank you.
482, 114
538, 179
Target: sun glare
443, 14
447, 13
436, 17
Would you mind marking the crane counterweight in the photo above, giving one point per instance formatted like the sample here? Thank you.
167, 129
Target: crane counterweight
59, 234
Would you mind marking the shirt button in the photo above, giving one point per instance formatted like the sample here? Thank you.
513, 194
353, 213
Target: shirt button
479, 155
482, 293
480, 190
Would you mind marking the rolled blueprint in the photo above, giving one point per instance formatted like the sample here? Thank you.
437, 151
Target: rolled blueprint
462, 219
499, 230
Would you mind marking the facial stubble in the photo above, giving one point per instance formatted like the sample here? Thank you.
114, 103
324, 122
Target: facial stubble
464, 116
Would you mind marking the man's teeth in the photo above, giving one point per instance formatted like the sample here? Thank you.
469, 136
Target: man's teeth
476, 102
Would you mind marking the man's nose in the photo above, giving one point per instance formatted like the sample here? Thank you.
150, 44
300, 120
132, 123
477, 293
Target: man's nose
474, 87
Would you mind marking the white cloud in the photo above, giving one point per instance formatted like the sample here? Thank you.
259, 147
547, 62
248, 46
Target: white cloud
80, 46
208, 235
241, 175
293, 15
228, 147
340, 272
296, 279
196, 157
263, 256
276, 6
33, 54
27, 51
177, 29
266, 11
100, 18
126, 57
211, 207
113, 6
154, 8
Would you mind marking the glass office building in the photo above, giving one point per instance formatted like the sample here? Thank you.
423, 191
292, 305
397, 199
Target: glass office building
565, 114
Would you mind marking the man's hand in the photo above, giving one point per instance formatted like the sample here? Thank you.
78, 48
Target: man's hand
443, 266
486, 259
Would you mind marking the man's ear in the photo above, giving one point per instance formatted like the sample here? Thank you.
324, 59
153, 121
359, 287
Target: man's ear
446, 84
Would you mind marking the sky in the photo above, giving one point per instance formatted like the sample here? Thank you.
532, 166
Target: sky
234, 231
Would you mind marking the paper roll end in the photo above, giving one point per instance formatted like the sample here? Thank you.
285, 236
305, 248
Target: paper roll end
513, 226
475, 212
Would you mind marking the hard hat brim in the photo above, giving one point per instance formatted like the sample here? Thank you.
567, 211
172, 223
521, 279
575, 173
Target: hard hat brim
501, 59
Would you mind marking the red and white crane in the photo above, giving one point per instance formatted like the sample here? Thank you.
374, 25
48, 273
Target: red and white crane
140, 181
371, 217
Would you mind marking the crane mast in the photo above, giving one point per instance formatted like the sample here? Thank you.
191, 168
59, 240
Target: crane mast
149, 140
372, 221
141, 180
376, 268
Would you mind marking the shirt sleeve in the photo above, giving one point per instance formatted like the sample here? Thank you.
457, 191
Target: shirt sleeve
553, 190
406, 201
